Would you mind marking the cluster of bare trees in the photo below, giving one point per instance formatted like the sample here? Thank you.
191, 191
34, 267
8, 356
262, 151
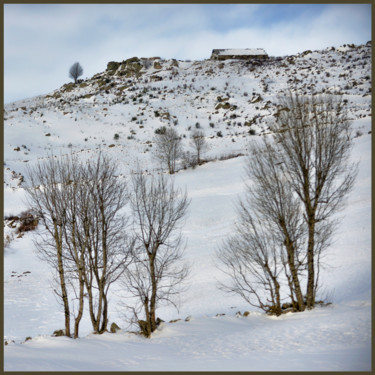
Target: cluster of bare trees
169, 148
88, 240
298, 181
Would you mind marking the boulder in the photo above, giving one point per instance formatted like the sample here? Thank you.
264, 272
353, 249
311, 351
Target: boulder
59, 332
157, 65
114, 327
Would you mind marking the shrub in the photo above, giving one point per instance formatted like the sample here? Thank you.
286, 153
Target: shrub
28, 222
116, 137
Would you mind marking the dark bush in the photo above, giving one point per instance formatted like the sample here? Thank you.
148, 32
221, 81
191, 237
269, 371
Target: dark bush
28, 222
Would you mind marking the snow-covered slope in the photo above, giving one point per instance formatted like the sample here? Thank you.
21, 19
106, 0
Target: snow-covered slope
130, 100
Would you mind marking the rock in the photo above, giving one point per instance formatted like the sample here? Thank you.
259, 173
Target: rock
246, 313
132, 60
220, 99
113, 66
188, 318
156, 78
157, 65
159, 321
59, 332
174, 63
256, 99
114, 327
224, 105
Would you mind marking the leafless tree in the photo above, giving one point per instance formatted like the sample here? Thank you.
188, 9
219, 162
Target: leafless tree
157, 270
48, 195
75, 71
298, 181
104, 234
314, 137
252, 260
85, 239
168, 148
198, 141
268, 236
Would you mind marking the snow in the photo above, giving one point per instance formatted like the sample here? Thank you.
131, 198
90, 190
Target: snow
323, 339
336, 337
243, 52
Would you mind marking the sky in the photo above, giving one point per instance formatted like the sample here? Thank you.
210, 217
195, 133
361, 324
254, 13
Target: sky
42, 41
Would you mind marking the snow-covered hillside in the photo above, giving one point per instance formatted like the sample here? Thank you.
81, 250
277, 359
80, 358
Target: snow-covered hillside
132, 99
226, 100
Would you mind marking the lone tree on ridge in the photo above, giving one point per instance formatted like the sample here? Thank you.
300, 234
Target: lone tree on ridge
75, 71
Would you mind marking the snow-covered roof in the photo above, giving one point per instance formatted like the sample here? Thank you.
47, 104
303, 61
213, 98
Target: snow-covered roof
243, 52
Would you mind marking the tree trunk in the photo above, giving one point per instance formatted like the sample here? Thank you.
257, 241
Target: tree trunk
293, 271
153, 294
60, 265
81, 304
88, 283
310, 295
295, 281
104, 325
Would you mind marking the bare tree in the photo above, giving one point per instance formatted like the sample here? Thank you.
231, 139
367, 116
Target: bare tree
103, 232
48, 195
198, 141
75, 71
157, 270
85, 239
298, 181
168, 148
268, 236
314, 137
251, 259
